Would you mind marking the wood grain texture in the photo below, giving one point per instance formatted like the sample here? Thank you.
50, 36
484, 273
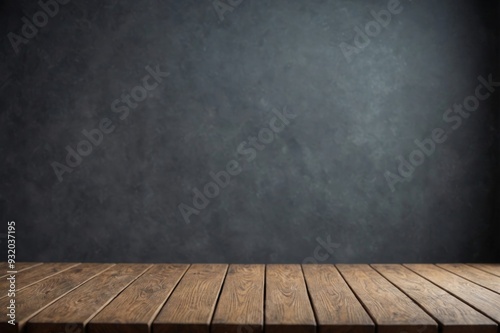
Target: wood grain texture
35, 298
190, 307
453, 315
135, 308
287, 305
482, 299
80, 305
26, 278
391, 310
20, 267
241, 303
482, 278
336, 307
144, 298
490, 268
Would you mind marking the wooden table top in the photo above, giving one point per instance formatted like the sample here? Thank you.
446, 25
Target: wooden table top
135, 298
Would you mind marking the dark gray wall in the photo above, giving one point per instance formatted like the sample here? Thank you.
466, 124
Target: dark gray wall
322, 179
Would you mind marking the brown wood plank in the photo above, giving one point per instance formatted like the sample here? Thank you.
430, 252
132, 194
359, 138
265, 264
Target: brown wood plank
35, 274
475, 275
336, 307
76, 308
453, 315
190, 307
392, 311
482, 299
135, 308
20, 267
241, 304
287, 306
36, 297
490, 268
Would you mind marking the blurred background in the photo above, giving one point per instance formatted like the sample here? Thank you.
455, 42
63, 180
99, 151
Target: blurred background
116, 115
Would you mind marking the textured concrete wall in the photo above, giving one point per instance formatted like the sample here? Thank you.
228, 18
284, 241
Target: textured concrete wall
338, 131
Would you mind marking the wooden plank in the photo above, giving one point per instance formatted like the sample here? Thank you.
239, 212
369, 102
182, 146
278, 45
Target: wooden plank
241, 303
391, 310
490, 268
336, 307
76, 308
135, 308
20, 267
191, 305
287, 306
36, 297
482, 299
477, 276
37, 273
453, 315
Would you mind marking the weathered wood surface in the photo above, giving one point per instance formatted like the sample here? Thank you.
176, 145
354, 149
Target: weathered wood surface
220, 298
